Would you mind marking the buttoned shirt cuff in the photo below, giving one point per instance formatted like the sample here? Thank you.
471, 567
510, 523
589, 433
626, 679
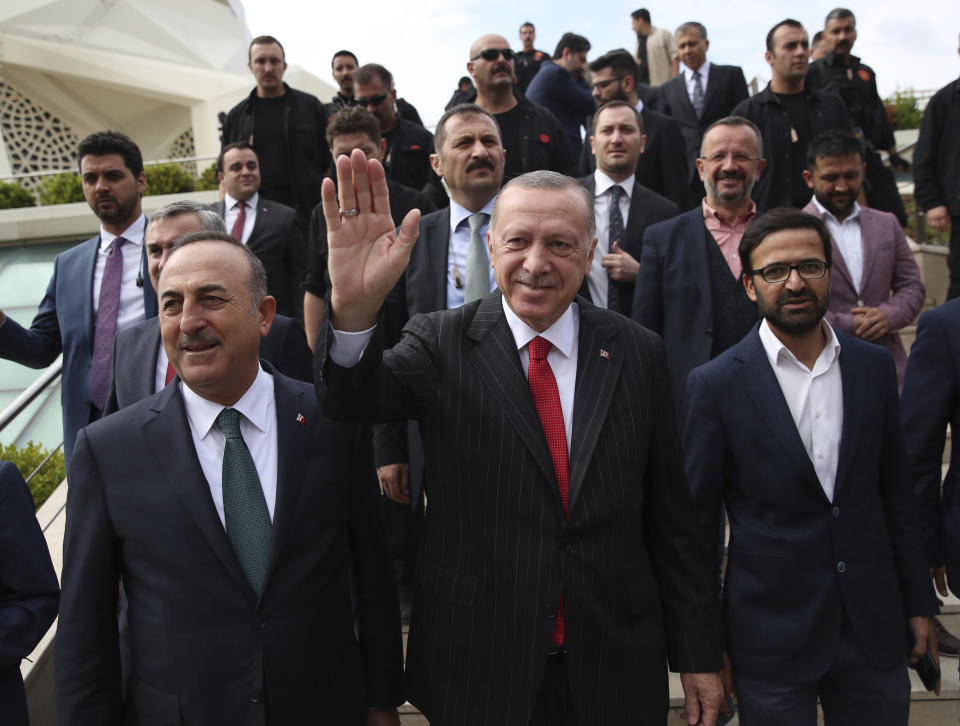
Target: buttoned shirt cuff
346, 349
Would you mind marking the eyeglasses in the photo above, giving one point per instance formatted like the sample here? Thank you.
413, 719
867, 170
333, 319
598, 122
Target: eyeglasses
491, 54
372, 100
606, 82
738, 157
780, 271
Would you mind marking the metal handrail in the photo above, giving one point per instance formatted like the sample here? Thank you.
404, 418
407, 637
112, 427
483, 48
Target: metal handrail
44, 381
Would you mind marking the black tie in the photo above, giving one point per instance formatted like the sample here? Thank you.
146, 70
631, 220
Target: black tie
616, 235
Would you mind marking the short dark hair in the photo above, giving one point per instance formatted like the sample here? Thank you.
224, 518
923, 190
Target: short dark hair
101, 143
527, 24
343, 52
440, 133
777, 220
265, 40
789, 22
817, 37
353, 120
234, 145
691, 26
576, 44
835, 142
641, 14
258, 273
614, 104
620, 61
465, 79
839, 14
367, 72
735, 121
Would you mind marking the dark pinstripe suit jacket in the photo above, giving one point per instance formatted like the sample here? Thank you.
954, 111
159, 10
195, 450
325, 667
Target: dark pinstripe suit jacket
497, 552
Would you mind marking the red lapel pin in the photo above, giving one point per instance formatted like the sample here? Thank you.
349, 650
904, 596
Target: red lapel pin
604, 354
301, 420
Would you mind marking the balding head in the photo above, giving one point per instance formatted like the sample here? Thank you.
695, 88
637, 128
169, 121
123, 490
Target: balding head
491, 63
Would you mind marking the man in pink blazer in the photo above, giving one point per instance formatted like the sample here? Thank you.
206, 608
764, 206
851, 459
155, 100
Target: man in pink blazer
876, 288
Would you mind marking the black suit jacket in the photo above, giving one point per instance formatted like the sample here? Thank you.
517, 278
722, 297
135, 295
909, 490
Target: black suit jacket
800, 565
277, 240
136, 349
28, 590
497, 552
646, 208
661, 165
726, 87
205, 649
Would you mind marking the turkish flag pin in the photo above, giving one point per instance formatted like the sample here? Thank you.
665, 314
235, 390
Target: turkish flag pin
604, 354
301, 420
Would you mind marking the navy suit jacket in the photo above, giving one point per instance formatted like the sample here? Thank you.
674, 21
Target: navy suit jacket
931, 400
65, 323
555, 88
798, 564
28, 590
205, 649
278, 241
137, 348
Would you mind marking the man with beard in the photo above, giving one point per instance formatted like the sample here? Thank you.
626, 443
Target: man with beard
841, 72
98, 287
622, 208
876, 288
688, 284
796, 430
343, 66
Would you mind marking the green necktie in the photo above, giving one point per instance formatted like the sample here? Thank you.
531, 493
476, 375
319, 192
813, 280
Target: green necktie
244, 507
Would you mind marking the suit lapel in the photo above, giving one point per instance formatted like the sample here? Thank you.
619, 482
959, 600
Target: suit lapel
869, 241
259, 223
697, 256
84, 302
855, 392
150, 308
636, 220
168, 429
759, 381
497, 362
712, 82
597, 378
147, 349
438, 241
837, 262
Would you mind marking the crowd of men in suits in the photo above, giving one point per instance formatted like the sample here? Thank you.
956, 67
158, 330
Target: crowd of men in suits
605, 308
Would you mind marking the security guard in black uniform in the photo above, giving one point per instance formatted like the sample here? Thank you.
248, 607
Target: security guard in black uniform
844, 74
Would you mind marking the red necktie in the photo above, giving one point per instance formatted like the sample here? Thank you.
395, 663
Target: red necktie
546, 396
237, 232
171, 373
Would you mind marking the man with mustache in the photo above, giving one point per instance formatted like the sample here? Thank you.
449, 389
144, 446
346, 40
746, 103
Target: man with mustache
796, 432
97, 288
875, 288
789, 113
688, 282
841, 72
623, 209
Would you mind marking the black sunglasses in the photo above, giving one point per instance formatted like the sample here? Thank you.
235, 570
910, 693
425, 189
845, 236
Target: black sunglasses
373, 100
490, 54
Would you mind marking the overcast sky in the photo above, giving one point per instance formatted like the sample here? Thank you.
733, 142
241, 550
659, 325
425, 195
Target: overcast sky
425, 43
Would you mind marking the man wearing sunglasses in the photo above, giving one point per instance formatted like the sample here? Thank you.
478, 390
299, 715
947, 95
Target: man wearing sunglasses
796, 431
407, 156
532, 135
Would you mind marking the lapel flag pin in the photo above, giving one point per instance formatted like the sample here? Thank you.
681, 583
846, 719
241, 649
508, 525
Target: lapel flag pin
301, 420
604, 354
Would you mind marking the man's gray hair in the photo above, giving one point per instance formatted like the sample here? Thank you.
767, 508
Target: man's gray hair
552, 181
211, 221
258, 273
692, 26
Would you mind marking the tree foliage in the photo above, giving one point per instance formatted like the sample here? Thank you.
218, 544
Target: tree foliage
27, 459
13, 196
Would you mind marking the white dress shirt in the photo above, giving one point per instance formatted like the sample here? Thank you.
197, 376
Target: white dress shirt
130, 310
815, 400
460, 245
347, 349
160, 379
598, 280
846, 239
688, 78
230, 212
258, 425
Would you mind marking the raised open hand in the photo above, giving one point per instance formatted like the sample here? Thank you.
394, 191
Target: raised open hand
366, 255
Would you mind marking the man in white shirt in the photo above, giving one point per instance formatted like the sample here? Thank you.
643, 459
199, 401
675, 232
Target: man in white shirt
796, 431
245, 526
79, 314
271, 230
622, 208
876, 288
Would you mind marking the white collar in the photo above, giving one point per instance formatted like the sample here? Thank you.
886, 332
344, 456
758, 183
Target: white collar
202, 413
229, 202
777, 352
458, 213
824, 212
688, 71
603, 182
562, 334
133, 233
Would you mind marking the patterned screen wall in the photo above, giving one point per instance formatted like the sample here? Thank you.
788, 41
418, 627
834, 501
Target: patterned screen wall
35, 139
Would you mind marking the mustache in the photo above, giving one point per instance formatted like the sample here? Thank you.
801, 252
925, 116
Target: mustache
732, 174
188, 340
480, 164
538, 282
501, 67
788, 295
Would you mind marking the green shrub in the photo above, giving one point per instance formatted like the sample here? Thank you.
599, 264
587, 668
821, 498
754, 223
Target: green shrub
60, 189
903, 110
208, 179
12, 196
167, 179
27, 459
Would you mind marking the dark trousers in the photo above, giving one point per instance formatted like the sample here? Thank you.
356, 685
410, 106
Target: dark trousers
953, 258
852, 691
